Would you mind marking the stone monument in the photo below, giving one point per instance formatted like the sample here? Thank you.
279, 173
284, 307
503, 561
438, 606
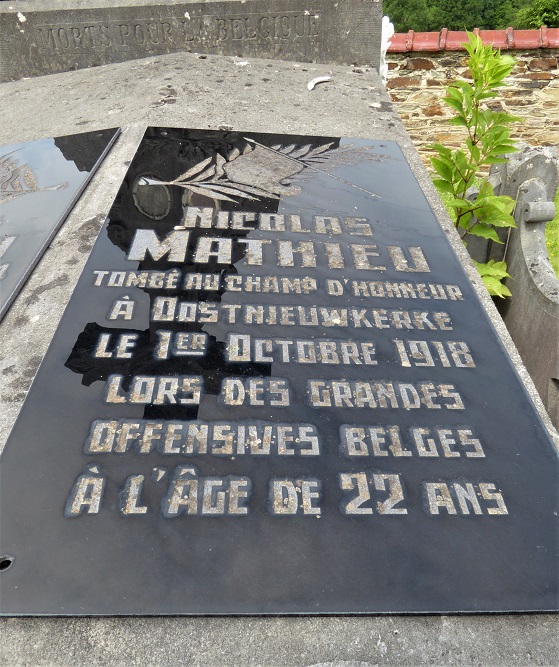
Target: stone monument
37, 39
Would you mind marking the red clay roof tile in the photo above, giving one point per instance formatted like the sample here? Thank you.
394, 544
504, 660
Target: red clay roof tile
452, 40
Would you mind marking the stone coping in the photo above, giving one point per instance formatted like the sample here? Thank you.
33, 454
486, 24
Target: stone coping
49, 5
452, 40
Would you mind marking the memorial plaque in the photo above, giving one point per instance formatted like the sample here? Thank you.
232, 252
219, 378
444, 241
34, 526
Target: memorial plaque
40, 181
38, 38
274, 390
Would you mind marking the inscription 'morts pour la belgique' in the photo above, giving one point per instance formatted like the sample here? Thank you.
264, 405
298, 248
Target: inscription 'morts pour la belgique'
127, 35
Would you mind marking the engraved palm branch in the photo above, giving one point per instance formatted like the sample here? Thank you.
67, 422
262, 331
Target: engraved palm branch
256, 171
18, 179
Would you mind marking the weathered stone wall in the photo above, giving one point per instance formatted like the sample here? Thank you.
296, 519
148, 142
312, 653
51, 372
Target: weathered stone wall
416, 84
39, 37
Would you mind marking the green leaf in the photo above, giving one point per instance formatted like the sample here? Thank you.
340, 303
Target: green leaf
465, 220
462, 162
501, 221
465, 204
498, 268
495, 160
464, 86
492, 274
443, 185
492, 268
458, 120
441, 150
487, 95
474, 150
494, 205
455, 104
495, 287
485, 190
485, 232
502, 149
505, 200
442, 168
455, 92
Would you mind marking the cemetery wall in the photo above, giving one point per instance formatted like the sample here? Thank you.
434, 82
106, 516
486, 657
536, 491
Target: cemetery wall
420, 65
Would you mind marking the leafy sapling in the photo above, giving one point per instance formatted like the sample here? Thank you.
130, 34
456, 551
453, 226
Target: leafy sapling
487, 141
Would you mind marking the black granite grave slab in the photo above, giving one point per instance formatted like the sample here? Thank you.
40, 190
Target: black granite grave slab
274, 391
40, 181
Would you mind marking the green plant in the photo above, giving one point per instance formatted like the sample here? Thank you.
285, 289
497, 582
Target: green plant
487, 140
552, 238
537, 13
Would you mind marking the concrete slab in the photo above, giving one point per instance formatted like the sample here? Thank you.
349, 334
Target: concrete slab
188, 91
199, 91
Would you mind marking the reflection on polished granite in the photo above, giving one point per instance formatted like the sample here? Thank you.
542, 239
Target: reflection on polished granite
40, 181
